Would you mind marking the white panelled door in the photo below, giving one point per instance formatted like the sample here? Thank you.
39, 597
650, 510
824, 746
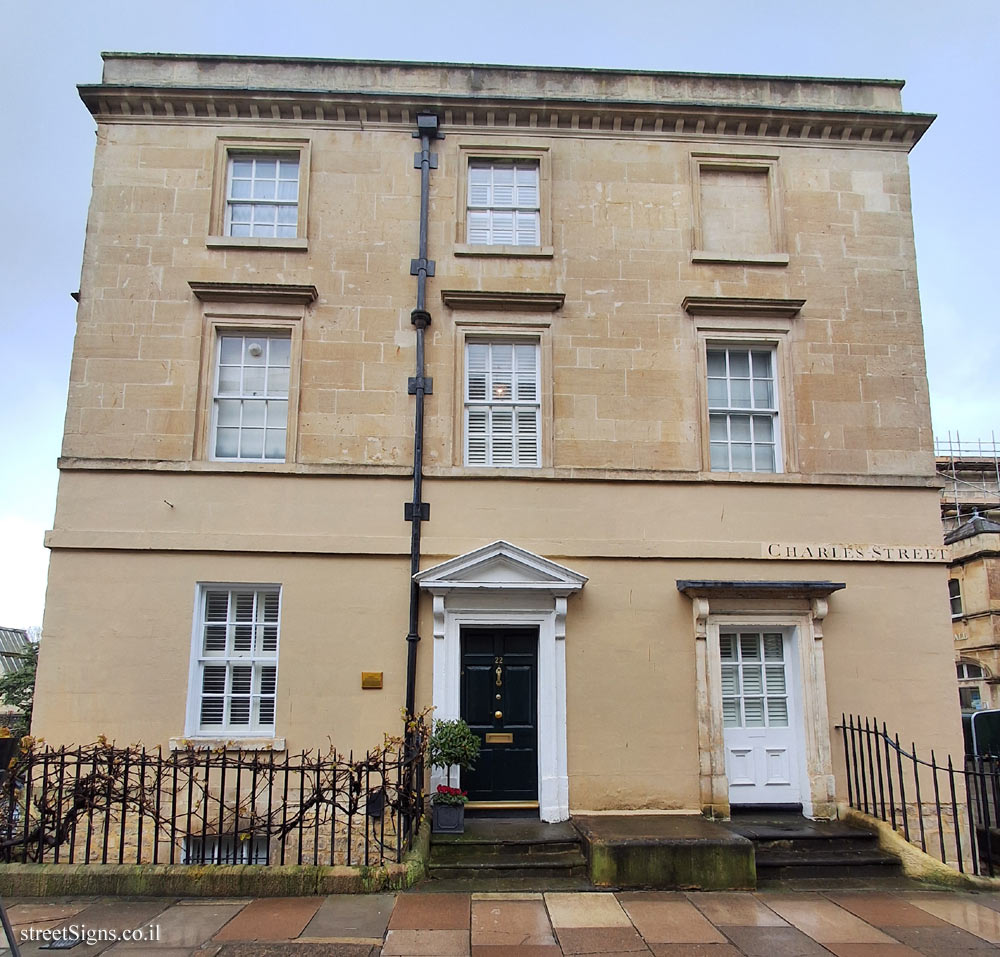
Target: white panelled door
760, 715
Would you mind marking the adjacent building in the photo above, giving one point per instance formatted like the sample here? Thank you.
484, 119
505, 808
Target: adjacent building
676, 506
970, 512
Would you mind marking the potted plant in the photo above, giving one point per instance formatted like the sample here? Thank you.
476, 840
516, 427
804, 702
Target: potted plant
452, 744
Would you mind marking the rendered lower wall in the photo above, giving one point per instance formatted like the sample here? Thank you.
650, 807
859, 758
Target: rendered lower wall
117, 635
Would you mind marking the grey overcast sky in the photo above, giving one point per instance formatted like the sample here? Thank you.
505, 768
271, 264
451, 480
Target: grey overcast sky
948, 53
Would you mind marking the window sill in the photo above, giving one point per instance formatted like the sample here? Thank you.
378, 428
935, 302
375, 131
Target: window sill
255, 242
527, 252
199, 743
746, 259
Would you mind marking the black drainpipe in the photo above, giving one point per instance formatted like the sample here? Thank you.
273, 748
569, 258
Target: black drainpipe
417, 510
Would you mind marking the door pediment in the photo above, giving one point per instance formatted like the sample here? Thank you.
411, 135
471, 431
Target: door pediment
500, 566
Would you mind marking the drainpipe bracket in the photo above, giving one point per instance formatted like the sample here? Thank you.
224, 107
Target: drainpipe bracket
432, 160
423, 509
418, 265
423, 382
420, 318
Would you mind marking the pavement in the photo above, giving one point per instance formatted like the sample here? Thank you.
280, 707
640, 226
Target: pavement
775, 923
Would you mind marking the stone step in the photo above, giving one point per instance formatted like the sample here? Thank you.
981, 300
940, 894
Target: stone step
457, 853
533, 869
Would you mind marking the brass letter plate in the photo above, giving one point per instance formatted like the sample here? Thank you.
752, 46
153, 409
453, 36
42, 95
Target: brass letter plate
371, 679
499, 737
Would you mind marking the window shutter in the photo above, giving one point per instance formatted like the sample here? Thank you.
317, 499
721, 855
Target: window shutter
503, 186
476, 436
526, 232
526, 178
503, 227
502, 436
478, 229
527, 437
480, 175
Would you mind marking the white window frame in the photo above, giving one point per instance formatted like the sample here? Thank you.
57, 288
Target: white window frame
771, 411
282, 161
487, 209
491, 403
243, 397
231, 657
955, 595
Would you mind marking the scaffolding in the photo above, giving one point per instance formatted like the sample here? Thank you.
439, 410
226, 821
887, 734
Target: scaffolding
971, 473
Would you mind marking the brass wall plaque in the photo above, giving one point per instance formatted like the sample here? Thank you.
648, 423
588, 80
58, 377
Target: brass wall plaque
499, 737
371, 679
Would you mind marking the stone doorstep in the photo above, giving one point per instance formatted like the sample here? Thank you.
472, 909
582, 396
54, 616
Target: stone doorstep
666, 851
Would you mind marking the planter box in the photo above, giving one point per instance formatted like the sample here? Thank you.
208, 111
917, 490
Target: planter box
448, 819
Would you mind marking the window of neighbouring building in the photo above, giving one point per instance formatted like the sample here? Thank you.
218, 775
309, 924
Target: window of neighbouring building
743, 408
955, 596
235, 664
502, 403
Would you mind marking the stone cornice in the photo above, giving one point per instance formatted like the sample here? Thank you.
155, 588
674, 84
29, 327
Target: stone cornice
736, 306
548, 116
254, 292
503, 301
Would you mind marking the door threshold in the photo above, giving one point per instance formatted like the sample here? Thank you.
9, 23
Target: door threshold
501, 806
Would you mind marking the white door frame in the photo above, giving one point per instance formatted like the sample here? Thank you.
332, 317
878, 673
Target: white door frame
503, 586
793, 678
819, 786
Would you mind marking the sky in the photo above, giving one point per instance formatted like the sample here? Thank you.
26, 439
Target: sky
946, 52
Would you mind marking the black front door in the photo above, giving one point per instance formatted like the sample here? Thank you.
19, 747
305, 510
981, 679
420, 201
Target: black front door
500, 704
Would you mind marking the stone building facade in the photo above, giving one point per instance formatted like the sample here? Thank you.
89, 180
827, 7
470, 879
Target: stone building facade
677, 444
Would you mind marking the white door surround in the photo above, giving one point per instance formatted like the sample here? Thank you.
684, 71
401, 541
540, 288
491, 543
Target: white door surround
506, 586
793, 606
762, 720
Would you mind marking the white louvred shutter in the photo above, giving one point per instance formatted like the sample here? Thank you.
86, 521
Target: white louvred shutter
501, 372
526, 232
526, 180
527, 437
502, 436
503, 186
526, 363
477, 231
480, 181
502, 233
477, 371
476, 436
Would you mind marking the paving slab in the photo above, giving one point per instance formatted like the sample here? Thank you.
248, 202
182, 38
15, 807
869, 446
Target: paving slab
275, 919
671, 922
431, 912
188, 926
510, 923
600, 940
524, 950
585, 910
886, 910
872, 950
774, 942
352, 915
292, 949
694, 950
965, 913
943, 941
824, 921
103, 915
426, 943
724, 908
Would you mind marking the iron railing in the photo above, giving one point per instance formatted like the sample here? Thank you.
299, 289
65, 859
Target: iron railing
107, 804
949, 812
